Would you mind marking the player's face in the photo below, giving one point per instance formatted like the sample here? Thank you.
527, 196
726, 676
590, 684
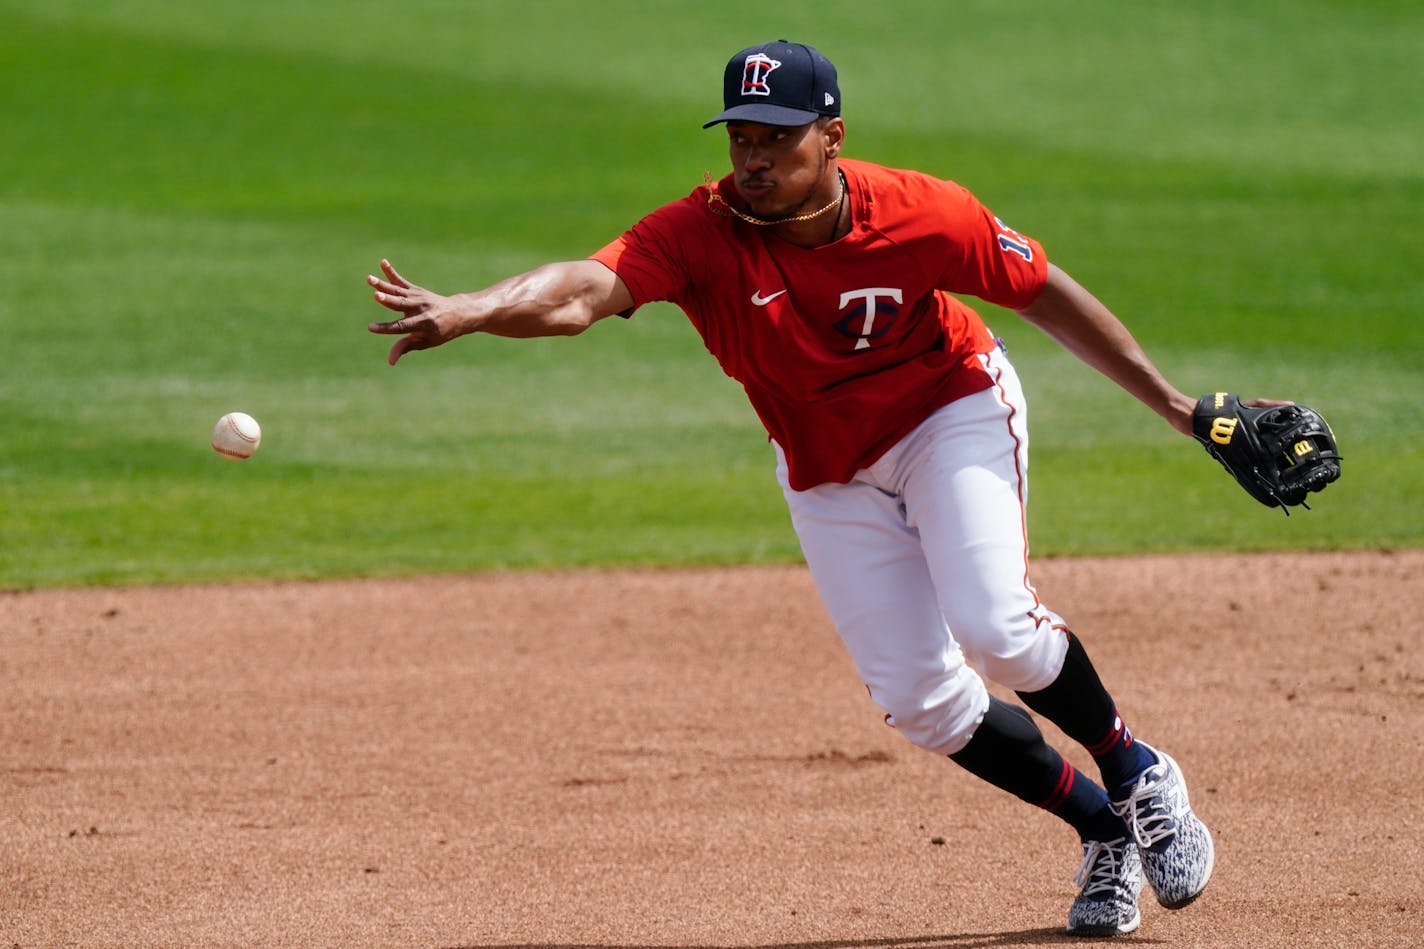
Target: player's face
781, 170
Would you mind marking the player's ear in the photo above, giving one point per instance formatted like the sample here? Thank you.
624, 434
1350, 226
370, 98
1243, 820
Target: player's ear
832, 134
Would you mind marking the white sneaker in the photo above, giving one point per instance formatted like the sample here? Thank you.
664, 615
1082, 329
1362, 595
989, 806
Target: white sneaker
1111, 878
1176, 848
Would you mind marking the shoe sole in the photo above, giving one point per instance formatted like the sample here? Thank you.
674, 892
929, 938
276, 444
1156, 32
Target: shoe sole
1099, 932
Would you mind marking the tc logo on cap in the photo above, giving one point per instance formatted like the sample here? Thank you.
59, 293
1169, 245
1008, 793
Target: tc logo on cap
754, 73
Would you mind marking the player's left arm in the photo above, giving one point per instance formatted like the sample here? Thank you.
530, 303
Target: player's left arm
1084, 326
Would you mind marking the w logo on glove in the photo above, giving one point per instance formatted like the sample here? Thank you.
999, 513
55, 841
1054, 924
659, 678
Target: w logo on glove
1279, 454
1222, 429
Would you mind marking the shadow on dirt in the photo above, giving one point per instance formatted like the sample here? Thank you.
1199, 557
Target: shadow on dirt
1026, 937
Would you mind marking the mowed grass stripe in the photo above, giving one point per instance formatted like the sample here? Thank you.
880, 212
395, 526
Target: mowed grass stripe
191, 206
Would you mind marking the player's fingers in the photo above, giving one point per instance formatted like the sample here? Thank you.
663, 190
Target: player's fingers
392, 296
399, 302
1267, 403
383, 288
402, 346
391, 327
394, 277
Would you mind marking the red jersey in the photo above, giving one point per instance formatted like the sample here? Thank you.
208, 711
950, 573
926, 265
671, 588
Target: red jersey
842, 349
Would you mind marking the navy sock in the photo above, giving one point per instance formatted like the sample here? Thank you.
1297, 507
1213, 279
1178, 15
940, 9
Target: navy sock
1120, 759
1009, 752
1078, 703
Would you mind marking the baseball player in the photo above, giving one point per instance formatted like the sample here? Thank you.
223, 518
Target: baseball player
824, 286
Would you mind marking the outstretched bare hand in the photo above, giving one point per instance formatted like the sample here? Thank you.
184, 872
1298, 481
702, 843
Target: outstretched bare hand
427, 319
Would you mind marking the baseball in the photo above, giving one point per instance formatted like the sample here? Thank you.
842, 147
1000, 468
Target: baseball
236, 436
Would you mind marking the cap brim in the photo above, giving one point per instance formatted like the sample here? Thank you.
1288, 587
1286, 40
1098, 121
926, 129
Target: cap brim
766, 114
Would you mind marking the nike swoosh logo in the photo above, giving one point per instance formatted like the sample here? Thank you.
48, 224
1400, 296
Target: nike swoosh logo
760, 300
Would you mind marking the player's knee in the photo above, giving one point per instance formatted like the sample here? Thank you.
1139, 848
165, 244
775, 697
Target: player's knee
940, 717
1025, 656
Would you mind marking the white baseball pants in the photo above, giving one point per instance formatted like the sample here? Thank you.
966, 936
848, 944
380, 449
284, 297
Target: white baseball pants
922, 563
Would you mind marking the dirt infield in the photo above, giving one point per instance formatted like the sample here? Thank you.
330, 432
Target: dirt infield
676, 759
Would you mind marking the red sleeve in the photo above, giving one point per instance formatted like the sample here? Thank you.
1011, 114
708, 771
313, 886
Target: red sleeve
986, 258
651, 257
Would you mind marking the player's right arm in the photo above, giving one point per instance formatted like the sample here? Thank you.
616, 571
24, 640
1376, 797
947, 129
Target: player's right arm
560, 299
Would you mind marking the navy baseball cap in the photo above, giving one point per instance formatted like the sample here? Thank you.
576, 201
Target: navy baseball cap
778, 83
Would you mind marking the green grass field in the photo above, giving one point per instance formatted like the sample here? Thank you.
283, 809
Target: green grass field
191, 195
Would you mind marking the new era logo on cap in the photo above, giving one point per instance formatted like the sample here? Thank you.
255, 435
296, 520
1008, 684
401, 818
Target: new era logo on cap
778, 83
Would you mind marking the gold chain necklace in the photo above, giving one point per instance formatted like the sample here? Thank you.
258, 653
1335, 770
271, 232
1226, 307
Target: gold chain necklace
714, 199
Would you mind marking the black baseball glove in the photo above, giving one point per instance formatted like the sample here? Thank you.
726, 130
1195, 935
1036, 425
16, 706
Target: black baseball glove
1278, 454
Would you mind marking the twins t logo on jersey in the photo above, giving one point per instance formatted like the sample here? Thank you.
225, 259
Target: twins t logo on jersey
754, 73
873, 302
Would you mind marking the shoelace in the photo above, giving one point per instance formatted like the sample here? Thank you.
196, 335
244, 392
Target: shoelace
1100, 871
1148, 815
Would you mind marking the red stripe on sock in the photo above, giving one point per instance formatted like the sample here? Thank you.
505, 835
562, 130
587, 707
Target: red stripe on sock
1113, 737
1061, 790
